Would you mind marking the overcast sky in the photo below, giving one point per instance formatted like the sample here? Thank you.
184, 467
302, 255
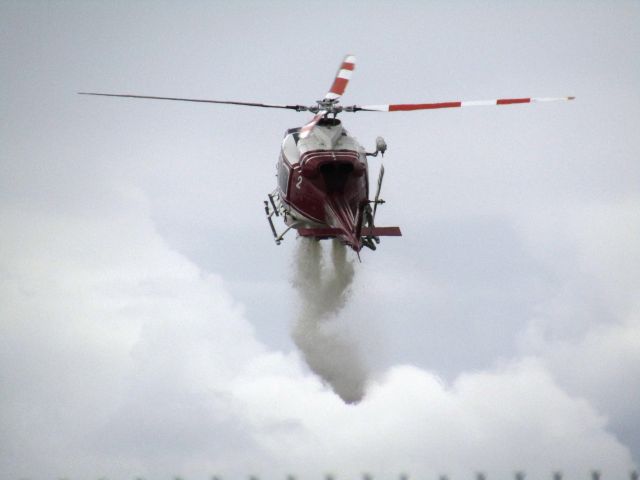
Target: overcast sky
145, 311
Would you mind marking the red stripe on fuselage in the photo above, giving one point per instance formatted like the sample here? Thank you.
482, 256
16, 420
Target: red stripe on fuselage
347, 66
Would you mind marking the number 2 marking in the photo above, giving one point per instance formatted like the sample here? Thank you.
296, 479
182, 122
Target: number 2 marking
299, 183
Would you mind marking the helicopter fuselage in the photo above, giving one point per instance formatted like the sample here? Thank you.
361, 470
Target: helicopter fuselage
323, 183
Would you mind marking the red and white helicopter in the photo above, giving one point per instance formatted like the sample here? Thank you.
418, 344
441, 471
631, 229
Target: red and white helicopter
323, 174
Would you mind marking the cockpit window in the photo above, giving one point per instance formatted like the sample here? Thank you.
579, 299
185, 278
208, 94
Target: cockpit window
296, 134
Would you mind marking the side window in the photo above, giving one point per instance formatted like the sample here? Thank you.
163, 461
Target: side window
283, 176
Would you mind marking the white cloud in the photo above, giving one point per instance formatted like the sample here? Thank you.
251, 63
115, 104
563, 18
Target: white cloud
120, 356
587, 333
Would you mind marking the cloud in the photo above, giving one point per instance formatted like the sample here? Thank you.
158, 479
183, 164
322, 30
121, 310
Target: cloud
515, 417
106, 330
119, 356
587, 333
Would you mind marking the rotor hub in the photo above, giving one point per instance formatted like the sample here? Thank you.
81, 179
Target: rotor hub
328, 105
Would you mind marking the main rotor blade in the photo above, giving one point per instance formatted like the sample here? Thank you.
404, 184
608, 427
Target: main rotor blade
403, 107
298, 108
306, 130
342, 78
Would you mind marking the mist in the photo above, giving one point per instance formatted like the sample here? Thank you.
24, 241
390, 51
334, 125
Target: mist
324, 289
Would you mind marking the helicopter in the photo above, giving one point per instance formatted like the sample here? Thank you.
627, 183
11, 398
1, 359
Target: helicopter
322, 187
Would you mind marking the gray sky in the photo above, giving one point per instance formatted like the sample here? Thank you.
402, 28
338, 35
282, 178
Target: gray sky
145, 312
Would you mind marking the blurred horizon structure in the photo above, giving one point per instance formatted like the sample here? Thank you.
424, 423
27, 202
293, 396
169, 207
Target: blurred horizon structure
594, 474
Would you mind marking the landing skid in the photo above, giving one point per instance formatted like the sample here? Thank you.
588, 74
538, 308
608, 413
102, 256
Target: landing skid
369, 234
371, 241
272, 207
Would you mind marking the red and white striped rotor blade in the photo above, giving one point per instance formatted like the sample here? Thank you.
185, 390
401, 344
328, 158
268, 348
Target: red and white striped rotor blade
403, 107
306, 130
342, 78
